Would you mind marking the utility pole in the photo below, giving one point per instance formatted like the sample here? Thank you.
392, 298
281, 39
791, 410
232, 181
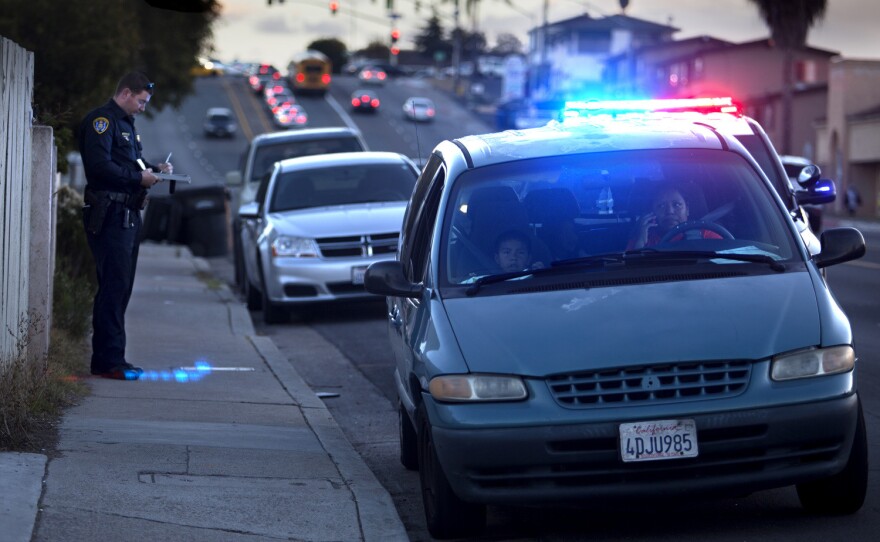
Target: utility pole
456, 53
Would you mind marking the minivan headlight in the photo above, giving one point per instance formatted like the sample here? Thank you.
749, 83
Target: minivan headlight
294, 247
477, 387
814, 362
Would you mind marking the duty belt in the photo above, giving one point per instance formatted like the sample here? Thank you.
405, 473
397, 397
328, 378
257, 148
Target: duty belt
119, 197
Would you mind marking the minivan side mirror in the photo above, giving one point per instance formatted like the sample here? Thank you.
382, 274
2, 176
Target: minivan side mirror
388, 278
233, 178
840, 245
821, 191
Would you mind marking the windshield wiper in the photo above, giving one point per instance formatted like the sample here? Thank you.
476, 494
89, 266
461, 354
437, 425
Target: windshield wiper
652, 254
500, 277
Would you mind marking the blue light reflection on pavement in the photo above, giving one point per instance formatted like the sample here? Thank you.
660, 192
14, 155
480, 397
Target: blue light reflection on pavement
182, 375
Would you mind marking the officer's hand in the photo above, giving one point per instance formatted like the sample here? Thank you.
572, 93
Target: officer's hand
148, 178
166, 167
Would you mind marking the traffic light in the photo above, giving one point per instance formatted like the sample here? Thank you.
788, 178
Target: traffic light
395, 35
333, 7
395, 50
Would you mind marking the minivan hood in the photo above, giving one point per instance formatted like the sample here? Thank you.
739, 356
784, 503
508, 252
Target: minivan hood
749, 317
354, 219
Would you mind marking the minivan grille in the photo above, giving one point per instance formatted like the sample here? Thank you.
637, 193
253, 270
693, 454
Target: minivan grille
666, 383
359, 246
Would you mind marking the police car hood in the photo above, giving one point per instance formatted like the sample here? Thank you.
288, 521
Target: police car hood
750, 317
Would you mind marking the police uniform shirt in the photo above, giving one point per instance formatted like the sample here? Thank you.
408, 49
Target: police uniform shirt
110, 148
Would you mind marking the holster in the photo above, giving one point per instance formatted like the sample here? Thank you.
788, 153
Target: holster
96, 209
139, 200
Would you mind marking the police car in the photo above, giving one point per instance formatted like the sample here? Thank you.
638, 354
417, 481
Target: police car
617, 306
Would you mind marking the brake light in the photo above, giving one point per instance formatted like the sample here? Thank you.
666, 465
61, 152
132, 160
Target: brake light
672, 105
325, 79
375, 102
300, 77
355, 102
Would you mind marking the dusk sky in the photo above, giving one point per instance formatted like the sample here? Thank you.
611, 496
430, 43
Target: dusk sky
251, 30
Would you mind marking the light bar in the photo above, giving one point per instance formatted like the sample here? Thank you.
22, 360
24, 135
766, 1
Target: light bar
703, 105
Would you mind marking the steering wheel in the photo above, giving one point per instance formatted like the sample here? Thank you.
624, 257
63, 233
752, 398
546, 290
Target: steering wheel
696, 225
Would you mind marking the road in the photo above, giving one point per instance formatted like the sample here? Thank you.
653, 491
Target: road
357, 373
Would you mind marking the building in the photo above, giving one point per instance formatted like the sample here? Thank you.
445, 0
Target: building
848, 138
569, 57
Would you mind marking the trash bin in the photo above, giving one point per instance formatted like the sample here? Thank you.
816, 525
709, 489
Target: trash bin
161, 219
203, 225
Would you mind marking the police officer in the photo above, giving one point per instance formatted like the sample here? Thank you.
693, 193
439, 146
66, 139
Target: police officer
117, 180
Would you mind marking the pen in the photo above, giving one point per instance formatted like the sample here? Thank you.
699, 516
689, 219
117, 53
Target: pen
167, 160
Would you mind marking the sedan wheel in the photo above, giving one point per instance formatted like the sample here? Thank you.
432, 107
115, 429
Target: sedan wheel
272, 312
843, 493
447, 516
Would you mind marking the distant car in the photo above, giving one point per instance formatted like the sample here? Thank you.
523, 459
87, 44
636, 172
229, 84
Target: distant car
290, 116
317, 223
372, 75
419, 109
794, 165
206, 66
365, 100
263, 75
220, 122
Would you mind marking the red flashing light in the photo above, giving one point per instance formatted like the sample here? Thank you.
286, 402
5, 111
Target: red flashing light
672, 105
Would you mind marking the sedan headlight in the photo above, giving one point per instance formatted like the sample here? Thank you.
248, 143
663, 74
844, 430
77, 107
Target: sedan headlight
475, 387
815, 362
294, 247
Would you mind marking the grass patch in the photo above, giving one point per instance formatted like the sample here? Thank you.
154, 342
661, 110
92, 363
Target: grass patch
212, 282
33, 394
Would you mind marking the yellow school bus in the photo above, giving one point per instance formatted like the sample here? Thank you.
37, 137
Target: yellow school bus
309, 72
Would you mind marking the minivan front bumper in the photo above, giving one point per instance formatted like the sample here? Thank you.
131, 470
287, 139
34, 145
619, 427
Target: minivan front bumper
739, 452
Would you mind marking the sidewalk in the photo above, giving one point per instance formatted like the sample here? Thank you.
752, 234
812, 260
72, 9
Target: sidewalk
244, 451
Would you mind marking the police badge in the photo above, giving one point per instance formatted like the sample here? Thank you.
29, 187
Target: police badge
101, 124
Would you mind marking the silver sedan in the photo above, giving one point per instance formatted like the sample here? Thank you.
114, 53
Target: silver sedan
317, 223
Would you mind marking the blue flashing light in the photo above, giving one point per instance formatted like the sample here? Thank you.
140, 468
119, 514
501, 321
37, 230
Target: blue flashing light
698, 105
181, 376
202, 366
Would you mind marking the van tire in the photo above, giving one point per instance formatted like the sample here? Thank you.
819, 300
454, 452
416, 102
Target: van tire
843, 493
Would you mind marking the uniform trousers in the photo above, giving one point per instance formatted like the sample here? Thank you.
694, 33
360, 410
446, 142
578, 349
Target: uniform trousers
115, 251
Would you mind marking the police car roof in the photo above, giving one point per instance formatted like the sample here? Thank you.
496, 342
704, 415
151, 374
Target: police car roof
594, 134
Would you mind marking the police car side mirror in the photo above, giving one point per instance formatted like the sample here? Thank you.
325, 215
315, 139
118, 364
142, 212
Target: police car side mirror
809, 175
388, 278
840, 245
820, 191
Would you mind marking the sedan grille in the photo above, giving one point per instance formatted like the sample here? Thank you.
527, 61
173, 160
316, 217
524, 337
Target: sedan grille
665, 383
358, 246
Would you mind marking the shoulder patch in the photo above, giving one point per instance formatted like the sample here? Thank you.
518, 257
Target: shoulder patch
101, 124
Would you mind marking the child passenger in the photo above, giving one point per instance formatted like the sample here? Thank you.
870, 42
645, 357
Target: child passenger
513, 252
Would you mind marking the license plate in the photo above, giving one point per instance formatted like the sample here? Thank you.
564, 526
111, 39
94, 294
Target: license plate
658, 439
357, 274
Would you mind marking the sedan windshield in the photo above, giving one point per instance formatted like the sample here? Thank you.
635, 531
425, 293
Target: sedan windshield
342, 185
267, 155
608, 212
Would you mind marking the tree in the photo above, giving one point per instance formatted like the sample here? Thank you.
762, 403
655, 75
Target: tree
82, 47
375, 50
334, 49
507, 44
431, 38
789, 22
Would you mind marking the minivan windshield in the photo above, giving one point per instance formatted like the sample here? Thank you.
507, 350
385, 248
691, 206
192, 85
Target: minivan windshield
612, 209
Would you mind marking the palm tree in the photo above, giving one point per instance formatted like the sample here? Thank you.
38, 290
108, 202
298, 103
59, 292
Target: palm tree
789, 22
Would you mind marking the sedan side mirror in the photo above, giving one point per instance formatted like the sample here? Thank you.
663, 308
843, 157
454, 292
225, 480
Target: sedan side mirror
809, 175
820, 191
249, 211
840, 245
388, 278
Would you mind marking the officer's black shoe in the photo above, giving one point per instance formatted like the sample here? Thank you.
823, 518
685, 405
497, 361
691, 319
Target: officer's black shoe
120, 372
